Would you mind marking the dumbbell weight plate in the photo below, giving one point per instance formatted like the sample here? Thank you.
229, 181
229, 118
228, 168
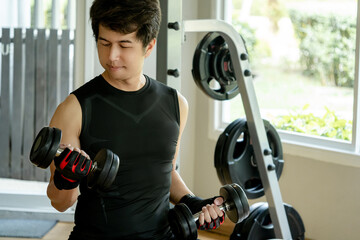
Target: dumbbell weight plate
104, 174
182, 222
235, 197
45, 146
205, 68
112, 172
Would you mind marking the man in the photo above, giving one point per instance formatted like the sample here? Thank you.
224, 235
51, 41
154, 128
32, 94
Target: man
136, 117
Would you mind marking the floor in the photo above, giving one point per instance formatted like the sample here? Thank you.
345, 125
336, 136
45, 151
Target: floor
61, 232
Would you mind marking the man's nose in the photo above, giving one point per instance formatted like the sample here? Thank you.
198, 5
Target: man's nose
115, 52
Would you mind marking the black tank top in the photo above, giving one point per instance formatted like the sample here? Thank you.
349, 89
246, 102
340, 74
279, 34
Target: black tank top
142, 128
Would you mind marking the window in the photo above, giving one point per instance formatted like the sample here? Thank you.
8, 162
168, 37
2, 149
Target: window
303, 59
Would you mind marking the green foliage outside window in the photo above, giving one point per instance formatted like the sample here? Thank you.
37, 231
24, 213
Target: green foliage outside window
327, 46
328, 125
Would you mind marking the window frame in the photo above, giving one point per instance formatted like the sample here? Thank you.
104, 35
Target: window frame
315, 147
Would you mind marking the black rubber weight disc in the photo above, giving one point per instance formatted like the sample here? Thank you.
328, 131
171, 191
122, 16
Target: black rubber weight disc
112, 171
182, 223
262, 227
208, 59
219, 161
103, 161
45, 146
259, 226
231, 197
239, 164
244, 201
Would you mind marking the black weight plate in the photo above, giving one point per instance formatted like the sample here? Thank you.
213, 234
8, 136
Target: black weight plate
224, 67
177, 223
98, 174
182, 223
55, 144
243, 227
239, 155
244, 200
258, 225
236, 211
263, 229
242, 149
45, 146
220, 164
193, 234
112, 172
205, 68
41, 146
276, 147
248, 224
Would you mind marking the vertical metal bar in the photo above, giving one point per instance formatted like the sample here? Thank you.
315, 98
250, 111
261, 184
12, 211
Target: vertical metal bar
29, 109
161, 52
40, 88
52, 74
5, 105
39, 21
16, 123
55, 14
168, 56
254, 120
356, 105
71, 14
65, 65
24, 13
40, 80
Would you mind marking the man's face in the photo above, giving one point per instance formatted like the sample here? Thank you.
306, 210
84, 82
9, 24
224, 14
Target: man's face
121, 55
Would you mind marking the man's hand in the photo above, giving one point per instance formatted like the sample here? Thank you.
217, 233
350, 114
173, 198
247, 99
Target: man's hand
71, 165
211, 217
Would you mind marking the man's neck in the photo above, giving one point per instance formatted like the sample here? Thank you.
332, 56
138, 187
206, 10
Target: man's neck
128, 85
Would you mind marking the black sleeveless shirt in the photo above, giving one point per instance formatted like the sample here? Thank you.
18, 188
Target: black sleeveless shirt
142, 128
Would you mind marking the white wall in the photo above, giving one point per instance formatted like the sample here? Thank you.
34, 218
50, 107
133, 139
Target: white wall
325, 194
188, 89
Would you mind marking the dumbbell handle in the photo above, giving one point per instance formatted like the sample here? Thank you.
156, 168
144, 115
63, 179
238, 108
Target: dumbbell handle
60, 150
223, 207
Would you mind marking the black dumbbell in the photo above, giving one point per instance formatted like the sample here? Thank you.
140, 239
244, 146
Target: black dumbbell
236, 207
46, 146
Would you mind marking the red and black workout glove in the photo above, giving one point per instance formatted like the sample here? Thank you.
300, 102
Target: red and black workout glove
71, 166
195, 204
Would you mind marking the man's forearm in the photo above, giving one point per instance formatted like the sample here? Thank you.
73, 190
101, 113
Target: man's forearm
61, 200
178, 188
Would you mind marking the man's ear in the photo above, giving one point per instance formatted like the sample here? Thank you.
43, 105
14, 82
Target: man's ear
150, 47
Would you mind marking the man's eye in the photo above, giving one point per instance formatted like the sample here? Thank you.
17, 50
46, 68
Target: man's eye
105, 44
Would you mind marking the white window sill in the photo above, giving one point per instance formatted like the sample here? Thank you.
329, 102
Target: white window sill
323, 154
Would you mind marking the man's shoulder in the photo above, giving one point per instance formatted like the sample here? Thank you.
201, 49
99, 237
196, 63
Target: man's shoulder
87, 87
160, 85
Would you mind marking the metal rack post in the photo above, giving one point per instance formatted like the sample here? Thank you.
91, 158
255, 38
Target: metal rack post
255, 123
